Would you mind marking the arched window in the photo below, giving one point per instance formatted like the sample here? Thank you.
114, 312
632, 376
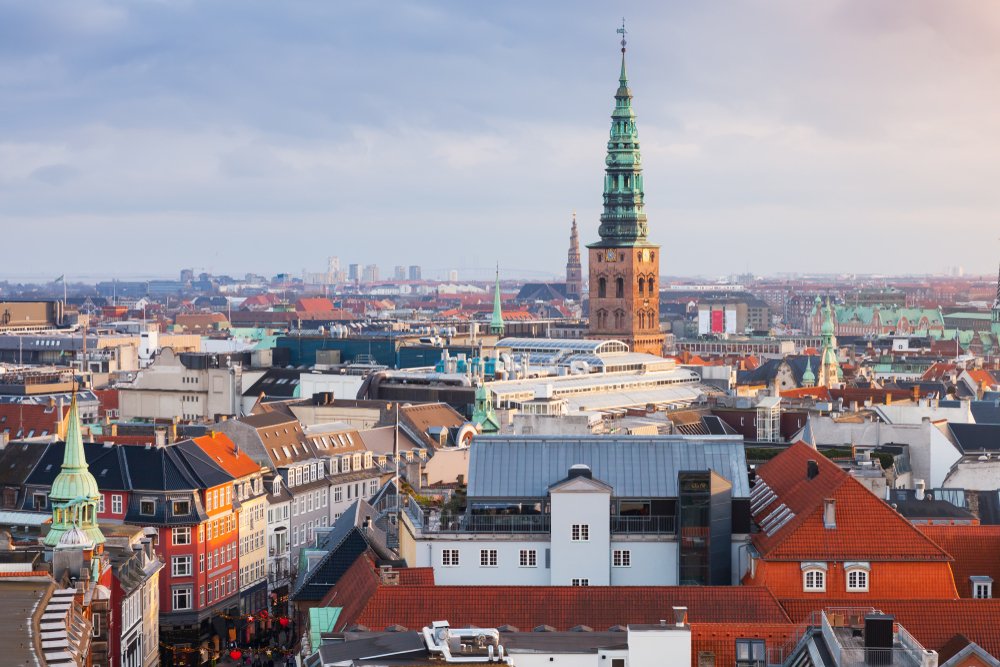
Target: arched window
619, 288
857, 577
642, 320
814, 579
602, 288
642, 286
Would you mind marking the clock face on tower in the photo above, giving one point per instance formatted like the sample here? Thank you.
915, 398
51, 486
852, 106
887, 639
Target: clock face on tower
610, 255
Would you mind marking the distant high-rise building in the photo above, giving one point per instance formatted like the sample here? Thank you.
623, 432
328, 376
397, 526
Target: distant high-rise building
187, 275
354, 272
333, 265
399, 273
574, 270
371, 274
453, 276
624, 265
414, 272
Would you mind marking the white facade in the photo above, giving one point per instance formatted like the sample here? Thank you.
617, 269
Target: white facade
581, 534
278, 530
253, 531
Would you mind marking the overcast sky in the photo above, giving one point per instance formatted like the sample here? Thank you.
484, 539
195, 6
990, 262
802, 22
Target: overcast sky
140, 137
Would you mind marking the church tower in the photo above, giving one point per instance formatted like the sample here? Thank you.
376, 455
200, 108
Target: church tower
496, 319
574, 269
74, 496
830, 374
996, 308
624, 266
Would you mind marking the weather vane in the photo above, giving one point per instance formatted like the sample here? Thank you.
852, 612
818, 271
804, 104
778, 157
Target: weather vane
621, 31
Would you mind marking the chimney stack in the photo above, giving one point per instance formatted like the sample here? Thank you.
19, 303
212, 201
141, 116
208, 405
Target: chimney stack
680, 616
812, 469
920, 486
829, 513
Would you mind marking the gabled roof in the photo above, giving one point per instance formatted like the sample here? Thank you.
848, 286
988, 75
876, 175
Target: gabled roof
866, 527
975, 550
313, 304
223, 450
25, 420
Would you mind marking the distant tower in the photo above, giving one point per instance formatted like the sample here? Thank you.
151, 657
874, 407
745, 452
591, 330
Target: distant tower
996, 308
74, 496
830, 374
624, 265
574, 270
496, 321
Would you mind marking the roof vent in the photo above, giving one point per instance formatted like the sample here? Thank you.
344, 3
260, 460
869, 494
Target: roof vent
829, 513
680, 616
580, 470
812, 469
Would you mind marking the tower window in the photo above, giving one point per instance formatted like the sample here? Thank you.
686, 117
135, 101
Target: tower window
602, 288
619, 287
642, 286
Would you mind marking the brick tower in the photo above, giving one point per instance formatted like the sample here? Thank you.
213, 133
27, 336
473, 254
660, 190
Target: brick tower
624, 265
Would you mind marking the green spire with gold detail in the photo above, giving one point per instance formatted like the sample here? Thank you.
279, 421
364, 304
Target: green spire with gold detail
623, 221
496, 321
75, 495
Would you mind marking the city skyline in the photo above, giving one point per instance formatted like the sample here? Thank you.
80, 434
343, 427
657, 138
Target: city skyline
189, 135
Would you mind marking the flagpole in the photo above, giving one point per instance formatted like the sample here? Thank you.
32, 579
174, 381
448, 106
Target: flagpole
395, 456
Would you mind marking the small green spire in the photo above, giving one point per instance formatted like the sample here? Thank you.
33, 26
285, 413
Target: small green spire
808, 378
496, 321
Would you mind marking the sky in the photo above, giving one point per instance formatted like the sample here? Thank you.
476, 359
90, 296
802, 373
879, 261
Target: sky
144, 136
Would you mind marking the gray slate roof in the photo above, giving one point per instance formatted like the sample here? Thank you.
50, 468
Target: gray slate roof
634, 466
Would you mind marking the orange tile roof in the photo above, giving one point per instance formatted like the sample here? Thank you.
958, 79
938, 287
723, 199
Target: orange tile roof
313, 304
218, 446
938, 371
866, 527
982, 377
974, 549
822, 393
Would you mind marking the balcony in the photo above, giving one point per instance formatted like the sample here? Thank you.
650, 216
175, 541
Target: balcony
496, 523
642, 525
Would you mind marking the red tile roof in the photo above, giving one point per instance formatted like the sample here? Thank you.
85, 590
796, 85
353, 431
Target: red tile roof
934, 623
313, 304
21, 420
938, 370
224, 452
976, 550
867, 529
981, 377
561, 607
821, 393
416, 576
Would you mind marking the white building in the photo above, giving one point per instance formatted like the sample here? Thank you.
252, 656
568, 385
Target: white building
278, 531
591, 511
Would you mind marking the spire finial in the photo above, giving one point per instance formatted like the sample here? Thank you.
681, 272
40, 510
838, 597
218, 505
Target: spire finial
622, 31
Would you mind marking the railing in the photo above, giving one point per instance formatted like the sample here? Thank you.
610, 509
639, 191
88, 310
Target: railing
642, 525
498, 523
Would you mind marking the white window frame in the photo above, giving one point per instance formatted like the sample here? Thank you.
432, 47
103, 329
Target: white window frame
175, 594
814, 580
982, 587
147, 500
177, 533
528, 558
621, 558
181, 566
450, 558
861, 577
488, 558
116, 503
100, 505
582, 581
338, 494
580, 532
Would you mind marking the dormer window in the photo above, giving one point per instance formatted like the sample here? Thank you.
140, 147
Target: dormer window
275, 487
858, 575
814, 577
181, 507
982, 587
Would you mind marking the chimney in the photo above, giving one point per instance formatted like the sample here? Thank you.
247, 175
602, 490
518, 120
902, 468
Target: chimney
888, 397
812, 469
829, 513
160, 437
920, 486
916, 393
114, 430
680, 616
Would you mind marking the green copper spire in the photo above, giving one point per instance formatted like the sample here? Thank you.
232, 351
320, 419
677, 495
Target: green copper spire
623, 221
74, 494
809, 378
483, 415
496, 321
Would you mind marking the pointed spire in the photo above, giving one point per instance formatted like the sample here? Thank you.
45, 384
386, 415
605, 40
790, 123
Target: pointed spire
496, 321
74, 459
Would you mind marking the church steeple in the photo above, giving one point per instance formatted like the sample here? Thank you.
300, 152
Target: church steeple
830, 374
624, 218
496, 321
574, 269
74, 494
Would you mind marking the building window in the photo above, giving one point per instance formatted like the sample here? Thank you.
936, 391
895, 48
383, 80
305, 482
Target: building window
181, 507
181, 598
182, 536
581, 582
39, 500
373, 487
982, 587
528, 558
100, 505
814, 580
338, 494
201, 562
147, 507
449, 557
750, 653
487, 557
620, 288
602, 288
116, 504
180, 566
580, 532
857, 580
622, 558
96, 630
